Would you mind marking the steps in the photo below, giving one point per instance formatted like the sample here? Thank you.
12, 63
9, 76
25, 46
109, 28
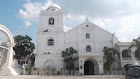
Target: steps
18, 70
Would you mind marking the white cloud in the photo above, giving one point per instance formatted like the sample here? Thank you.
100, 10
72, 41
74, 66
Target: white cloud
125, 27
32, 10
46, 5
74, 17
103, 8
69, 16
82, 17
99, 22
66, 28
27, 24
124, 39
127, 24
121, 17
128, 28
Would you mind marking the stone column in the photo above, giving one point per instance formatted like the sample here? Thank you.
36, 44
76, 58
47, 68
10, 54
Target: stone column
9, 63
100, 69
121, 59
7, 68
81, 66
100, 62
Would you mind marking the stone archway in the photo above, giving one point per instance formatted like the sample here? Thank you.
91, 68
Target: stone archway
6, 68
91, 67
49, 63
88, 68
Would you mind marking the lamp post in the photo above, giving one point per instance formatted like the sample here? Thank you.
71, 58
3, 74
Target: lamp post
113, 47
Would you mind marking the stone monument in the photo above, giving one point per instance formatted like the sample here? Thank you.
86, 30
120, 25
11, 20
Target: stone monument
6, 52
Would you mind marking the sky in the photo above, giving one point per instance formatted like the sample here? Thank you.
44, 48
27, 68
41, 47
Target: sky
121, 17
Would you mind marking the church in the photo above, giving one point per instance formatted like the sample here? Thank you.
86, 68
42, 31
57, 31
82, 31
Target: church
87, 38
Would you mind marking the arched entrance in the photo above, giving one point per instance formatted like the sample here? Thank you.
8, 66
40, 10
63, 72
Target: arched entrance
49, 63
89, 68
6, 52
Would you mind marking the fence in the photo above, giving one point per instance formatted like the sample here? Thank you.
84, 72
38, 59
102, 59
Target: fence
113, 72
72, 72
64, 72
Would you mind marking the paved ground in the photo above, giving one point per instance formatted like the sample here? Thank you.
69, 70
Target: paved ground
61, 77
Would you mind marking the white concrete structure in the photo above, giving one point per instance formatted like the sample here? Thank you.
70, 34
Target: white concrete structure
6, 68
50, 29
87, 38
124, 54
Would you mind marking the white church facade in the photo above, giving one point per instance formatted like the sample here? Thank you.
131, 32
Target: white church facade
87, 38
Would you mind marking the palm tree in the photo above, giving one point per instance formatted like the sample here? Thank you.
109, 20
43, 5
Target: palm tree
136, 43
109, 57
69, 58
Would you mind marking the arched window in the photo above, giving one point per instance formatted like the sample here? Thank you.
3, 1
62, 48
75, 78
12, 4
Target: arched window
50, 42
51, 21
88, 48
87, 36
125, 53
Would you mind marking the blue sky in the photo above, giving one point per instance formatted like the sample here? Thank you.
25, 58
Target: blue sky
119, 16
9, 17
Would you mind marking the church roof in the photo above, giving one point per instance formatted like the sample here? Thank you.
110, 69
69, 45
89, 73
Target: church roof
54, 6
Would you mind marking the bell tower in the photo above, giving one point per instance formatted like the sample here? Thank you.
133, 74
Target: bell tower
50, 38
52, 19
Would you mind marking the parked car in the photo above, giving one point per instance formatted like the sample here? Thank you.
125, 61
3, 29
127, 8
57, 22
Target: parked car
132, 71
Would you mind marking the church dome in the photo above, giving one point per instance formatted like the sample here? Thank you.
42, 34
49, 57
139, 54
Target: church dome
54, 6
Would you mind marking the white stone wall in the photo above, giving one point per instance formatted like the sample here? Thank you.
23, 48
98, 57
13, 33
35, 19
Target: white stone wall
122, 46
98, 38
55, 32
76, 38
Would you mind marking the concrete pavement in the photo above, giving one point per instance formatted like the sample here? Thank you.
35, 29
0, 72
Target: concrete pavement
63, 77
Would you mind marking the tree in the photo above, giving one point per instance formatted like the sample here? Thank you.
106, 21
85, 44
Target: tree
24, 47
109, 57
136, 43
70, 56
